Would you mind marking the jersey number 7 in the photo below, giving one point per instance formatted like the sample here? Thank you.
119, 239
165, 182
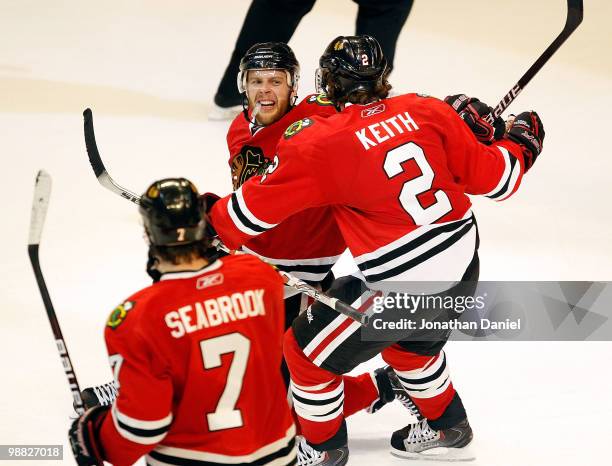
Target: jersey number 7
418, 185
226, 416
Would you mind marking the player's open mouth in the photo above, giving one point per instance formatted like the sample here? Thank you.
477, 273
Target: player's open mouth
266, 104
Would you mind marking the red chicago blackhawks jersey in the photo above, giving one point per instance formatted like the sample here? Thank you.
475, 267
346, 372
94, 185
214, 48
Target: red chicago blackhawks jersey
197, 358
395, 173
306, 244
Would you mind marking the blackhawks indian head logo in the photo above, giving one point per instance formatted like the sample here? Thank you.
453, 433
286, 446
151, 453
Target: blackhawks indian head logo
249, 162
119, 314
296, 127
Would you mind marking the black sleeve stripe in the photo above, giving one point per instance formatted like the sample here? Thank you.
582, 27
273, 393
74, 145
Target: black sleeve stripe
243, 218
143, 432
504, 188
174, 460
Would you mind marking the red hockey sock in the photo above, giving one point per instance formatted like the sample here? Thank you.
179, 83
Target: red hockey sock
359, 393
318, 395
425, 378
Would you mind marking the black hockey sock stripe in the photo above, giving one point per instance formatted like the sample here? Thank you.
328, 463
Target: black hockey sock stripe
424, 380
308, 401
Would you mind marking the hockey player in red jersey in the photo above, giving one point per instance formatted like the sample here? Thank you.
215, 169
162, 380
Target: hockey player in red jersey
309, 243
196, 354
397, 173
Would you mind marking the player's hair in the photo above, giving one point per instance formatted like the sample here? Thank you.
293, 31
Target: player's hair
181, 253
361, 95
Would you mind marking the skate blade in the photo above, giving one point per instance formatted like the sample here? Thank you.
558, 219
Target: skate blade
438, 454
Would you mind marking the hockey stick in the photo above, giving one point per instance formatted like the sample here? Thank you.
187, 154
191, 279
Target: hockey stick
105, 180
96, 161
303, 287
42, 192
574, 18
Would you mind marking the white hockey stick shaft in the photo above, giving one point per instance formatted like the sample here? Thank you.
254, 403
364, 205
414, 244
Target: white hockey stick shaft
42, 194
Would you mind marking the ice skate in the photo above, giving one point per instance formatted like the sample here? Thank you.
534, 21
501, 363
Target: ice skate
308, 456
420, 441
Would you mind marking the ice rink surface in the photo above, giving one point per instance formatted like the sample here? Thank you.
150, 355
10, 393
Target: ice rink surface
149, 70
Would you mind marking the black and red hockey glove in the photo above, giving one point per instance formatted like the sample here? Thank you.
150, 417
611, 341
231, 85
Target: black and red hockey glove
527, 130
83, 437
472, 111
209, 199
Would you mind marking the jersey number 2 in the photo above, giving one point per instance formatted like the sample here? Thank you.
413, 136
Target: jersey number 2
418, 185
226, 416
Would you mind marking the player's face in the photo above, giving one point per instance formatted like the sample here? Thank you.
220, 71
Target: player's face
269, 89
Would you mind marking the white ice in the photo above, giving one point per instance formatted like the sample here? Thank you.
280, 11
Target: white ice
149, 70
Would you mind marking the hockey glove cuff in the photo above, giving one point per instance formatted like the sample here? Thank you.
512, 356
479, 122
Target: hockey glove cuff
83, 437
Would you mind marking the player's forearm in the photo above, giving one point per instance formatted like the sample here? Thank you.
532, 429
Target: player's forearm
231, 226
497, 170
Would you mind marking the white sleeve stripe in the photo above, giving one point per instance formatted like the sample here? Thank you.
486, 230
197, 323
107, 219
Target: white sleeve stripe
248, 214
513, 179
140, 424
506, 174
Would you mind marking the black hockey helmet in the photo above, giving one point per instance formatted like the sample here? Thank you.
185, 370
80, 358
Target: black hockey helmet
350, 64
173, 213
270, 56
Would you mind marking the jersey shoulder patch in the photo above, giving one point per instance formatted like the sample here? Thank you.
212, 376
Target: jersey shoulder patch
319, 99
296, 127
119, 314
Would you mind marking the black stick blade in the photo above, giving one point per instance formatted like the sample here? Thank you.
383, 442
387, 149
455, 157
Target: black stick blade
90, 143
96, 161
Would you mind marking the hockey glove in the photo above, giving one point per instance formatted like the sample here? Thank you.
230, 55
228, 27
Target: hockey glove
209, 200
83, 437
527, 130
472, 111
